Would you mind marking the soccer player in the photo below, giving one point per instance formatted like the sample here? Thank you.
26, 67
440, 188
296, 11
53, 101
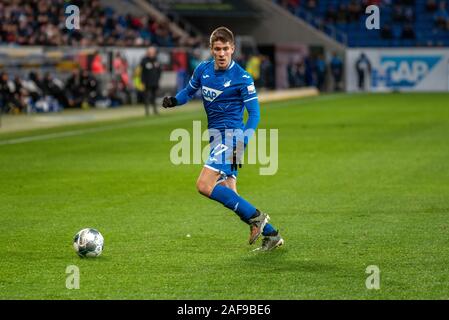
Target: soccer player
226, 90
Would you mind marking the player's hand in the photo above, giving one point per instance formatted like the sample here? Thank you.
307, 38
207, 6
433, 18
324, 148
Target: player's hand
237, 155
169, 102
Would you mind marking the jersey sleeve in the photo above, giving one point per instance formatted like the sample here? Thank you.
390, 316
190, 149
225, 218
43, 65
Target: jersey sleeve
192, 87
251, 102
248, 90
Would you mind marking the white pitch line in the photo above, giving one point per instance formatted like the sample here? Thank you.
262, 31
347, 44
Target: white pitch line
85, 131
313, 99
129, 125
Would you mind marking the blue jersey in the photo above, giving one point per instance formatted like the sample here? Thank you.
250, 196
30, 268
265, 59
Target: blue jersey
225, 95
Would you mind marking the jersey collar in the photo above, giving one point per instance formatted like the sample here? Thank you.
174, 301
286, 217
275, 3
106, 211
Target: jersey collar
228, 68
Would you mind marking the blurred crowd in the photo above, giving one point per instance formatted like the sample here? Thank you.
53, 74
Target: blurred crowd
315, 71
82, 88
351, 11
99, 86
46, 93
35, 22
440, 13
399, 17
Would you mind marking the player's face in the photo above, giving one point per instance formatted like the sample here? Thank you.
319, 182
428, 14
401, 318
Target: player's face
222, 53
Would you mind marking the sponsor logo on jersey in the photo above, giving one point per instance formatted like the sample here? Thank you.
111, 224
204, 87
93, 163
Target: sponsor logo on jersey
246, 76
205, 76
210, 94
227, 83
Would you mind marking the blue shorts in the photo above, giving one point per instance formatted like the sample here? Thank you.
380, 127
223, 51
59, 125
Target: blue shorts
219, 161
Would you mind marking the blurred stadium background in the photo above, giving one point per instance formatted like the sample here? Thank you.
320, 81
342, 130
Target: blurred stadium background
356, 107
46, 67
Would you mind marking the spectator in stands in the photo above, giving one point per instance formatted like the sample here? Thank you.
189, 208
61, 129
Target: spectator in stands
291, 74
331, 14
296, 73
336, 67
253, 68
118, 94
266, 72
120, 68
342, 15
164, 37
98, 72
300, 77
150, 76
121, 77
441, 17
367, 3
55, 87
91, 91
194, 59
408, 2
290, 5
363, 68
81, 89
35, 86
398, 13
431, 5
73, 89
20, 92
408, 32
9, 95
320, 66
311, 5
354, 11
386, 32
48, 93
35, 22
139, 89
409, 15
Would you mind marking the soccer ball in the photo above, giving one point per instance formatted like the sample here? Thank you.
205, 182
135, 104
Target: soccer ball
88, 243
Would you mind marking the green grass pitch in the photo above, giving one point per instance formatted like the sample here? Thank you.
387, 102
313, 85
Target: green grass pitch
363, 180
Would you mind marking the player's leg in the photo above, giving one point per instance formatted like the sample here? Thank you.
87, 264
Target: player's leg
225, 192
206, 181
218, 181
207, 186
231, 183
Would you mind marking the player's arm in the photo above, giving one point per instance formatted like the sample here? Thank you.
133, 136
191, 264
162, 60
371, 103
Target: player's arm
251, 102
186, 94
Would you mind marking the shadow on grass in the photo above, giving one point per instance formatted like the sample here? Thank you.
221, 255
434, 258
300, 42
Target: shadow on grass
279, 261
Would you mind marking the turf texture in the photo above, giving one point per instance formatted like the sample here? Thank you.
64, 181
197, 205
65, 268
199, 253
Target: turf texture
363, 180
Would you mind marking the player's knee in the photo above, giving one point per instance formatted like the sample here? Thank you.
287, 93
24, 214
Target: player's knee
203, 188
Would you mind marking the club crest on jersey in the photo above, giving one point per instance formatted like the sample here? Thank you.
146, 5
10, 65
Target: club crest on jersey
210, 94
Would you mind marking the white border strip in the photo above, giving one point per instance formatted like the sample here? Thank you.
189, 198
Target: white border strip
190, 83
249, 99
213, 169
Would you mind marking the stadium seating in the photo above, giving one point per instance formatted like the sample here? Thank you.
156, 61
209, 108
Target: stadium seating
404, 23
30, 81
34, 22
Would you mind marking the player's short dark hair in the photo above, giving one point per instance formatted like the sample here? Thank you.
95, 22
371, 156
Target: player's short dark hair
222, 34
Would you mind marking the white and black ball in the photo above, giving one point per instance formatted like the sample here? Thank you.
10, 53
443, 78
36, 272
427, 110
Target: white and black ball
88, 242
